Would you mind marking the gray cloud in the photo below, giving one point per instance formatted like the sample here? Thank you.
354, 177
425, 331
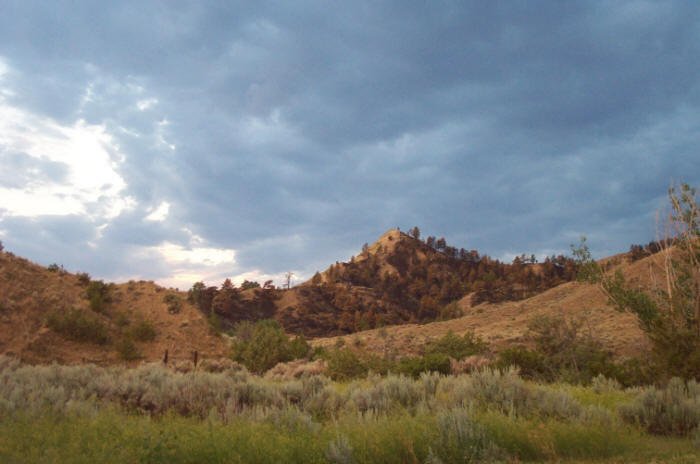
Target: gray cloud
294, 133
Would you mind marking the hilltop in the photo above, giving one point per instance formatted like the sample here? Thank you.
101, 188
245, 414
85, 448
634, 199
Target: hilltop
401, 279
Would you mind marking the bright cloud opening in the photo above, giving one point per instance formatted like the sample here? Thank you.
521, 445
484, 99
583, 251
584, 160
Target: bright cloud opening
160, 213
194, 264
88, 153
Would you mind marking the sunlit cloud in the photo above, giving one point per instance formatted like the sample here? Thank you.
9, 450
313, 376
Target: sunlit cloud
144, 105
193, 264
90, 155
160, 213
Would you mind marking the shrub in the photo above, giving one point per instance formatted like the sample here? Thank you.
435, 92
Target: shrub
261, 345
461, 439
173, 302
339, 451
143, 331
531, 364
456, 347
432, 362
674, 410
127, 349
562, 351
79, 326
344, 364
98, 294
299, 347
83, 278
505, 392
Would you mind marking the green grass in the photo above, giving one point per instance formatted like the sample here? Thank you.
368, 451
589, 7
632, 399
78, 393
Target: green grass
111, 436
68, 414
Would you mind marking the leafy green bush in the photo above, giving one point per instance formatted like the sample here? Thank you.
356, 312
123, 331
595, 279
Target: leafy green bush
344, 364
76, 325
530, 363
455, 346
415, 366
261, 345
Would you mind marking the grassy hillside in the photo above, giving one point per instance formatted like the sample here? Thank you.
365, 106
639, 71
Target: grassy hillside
397, 280
47, 314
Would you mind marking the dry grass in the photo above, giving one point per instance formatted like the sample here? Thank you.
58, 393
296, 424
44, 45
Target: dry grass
505, 324
29, 292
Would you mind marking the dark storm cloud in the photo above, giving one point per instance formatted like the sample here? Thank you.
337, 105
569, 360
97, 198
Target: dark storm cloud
295, 132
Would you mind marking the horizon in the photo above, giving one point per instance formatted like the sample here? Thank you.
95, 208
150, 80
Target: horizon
144, 141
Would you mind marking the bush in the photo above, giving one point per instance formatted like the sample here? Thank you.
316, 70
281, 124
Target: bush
76, 325
456, 347
260, 346
98, 294
56, 268
83, 278
432, 362
173, 302
674, 410
531, 364
344, 364
143, 331
461, 439
561, 352
127, 349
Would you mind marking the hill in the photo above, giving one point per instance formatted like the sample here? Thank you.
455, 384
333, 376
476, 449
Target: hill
401, 279
505, 324
396, 294
135, 320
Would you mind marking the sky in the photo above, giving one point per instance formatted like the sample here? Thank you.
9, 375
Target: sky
184, 141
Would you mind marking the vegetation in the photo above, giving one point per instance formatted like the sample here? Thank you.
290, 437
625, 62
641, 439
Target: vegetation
674, 410
228, 306
98, 295
127, 349
261, 345
143, 331
670, 313
173, 302
83, 278
78, 325
563, 351
152, 414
